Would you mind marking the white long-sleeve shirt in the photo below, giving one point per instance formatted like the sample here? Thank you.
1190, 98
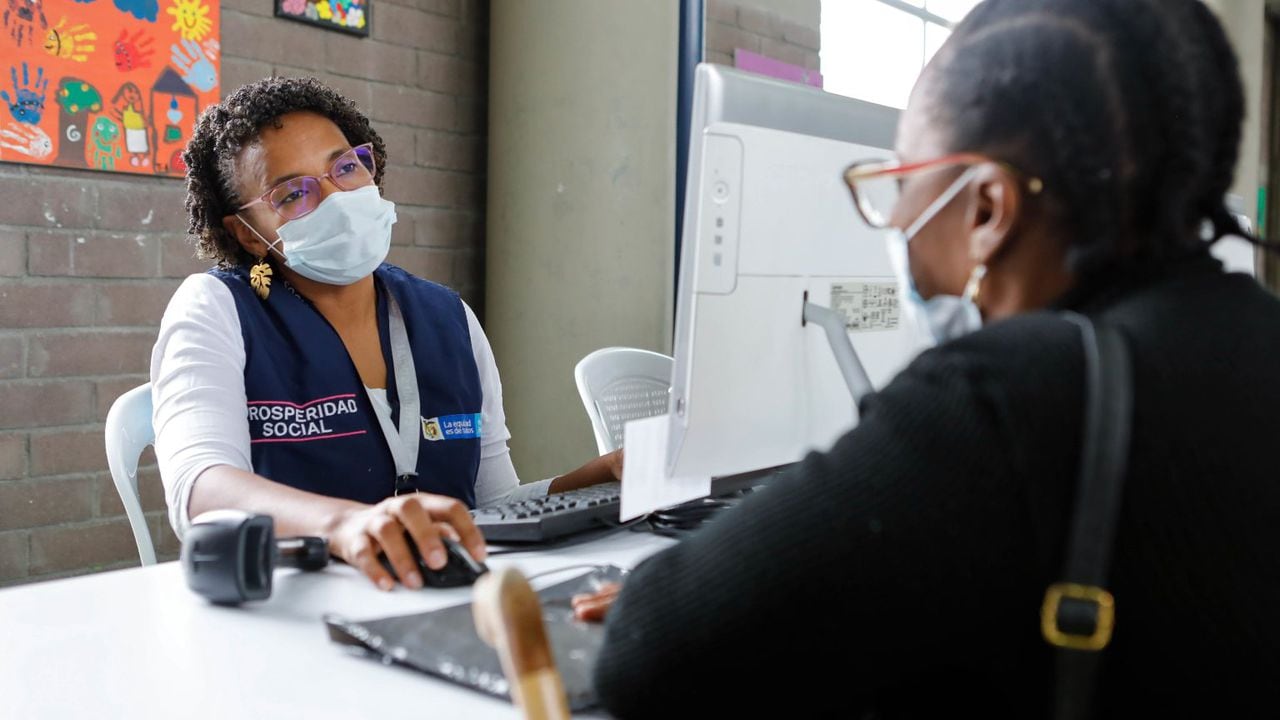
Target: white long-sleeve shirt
200, 407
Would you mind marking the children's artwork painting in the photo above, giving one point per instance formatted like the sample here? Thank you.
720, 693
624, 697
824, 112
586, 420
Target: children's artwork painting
111, 85
348, 16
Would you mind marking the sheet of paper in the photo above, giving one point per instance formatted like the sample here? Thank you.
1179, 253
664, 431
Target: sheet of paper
645, 484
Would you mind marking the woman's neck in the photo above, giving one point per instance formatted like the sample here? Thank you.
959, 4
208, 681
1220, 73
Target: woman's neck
342, 305
1029, 277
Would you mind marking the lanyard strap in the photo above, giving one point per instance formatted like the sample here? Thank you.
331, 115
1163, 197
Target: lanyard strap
402, 441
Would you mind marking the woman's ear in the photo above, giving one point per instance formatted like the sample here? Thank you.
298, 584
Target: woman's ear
244, 235
995, 211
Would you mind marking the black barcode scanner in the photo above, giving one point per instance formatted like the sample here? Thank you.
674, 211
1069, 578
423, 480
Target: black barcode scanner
229, 556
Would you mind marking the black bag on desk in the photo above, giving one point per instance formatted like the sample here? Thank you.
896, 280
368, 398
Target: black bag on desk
444, 642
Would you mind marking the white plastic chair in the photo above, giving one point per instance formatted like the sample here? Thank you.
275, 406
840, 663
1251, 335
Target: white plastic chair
128, 433
619, 384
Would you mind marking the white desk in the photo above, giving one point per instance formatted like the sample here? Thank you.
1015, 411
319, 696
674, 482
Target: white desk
138, 644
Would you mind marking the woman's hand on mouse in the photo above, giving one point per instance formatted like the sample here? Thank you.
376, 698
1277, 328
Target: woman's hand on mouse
359, 535
592, 607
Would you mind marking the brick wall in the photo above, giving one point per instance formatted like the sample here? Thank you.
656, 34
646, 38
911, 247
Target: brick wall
730, 26
88, 262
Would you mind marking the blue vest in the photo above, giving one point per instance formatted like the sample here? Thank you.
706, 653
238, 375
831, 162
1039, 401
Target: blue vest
311, 424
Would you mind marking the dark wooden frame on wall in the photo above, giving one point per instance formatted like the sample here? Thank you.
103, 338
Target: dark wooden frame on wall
328, 25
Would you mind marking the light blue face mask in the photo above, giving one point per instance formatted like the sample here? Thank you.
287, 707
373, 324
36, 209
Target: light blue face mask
942, 317
344, 239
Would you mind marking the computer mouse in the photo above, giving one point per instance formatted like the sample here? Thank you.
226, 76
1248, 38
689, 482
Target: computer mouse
460, 570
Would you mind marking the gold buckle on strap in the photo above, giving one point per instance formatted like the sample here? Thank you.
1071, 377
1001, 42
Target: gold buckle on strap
1105, 623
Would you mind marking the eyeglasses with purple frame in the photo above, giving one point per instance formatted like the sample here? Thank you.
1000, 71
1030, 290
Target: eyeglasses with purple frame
298, 196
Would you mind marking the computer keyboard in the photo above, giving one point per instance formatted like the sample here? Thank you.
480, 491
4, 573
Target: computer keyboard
553, 516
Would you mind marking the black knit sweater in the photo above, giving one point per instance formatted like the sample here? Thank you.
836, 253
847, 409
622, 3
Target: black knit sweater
901, 574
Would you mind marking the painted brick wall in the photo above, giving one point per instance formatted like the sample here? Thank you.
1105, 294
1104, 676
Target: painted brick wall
88, 262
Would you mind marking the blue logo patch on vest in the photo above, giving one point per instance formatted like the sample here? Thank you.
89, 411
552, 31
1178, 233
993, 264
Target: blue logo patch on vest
452, 427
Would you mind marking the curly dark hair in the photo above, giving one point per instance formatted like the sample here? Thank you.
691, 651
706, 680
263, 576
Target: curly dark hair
223, 130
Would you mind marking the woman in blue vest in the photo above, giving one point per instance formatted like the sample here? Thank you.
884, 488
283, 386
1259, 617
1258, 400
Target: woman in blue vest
305, 378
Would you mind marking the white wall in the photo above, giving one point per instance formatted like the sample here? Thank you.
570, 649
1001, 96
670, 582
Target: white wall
581, 204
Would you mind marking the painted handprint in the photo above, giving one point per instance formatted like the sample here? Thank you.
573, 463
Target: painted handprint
27, 140
194, 65
74, 43
212, 48
27, 104
132, 52
20, 19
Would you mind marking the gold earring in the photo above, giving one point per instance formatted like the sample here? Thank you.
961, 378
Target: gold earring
974, 286
260, 278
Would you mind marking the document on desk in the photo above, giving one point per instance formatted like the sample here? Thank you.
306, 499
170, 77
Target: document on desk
645, 484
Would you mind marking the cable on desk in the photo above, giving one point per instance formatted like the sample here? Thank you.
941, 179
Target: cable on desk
681, 520
673, 523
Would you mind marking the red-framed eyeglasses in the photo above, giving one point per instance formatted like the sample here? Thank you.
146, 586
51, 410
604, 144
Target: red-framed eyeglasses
876, 185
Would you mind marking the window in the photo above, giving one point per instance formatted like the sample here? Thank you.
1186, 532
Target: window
873, 50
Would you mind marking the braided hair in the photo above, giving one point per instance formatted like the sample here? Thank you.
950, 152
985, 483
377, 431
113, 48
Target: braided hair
1129, 111
223, 130
1221, 96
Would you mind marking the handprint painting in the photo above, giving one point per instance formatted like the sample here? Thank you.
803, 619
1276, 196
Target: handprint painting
108, 85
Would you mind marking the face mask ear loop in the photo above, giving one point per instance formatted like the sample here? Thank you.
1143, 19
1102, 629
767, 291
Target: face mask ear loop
943, 200
270, 245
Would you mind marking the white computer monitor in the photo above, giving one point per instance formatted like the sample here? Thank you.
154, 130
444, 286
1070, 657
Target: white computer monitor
768, 224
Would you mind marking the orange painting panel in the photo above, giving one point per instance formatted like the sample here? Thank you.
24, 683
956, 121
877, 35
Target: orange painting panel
111, 85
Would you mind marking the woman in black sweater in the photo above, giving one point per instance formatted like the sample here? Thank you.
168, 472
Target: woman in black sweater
902, 573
